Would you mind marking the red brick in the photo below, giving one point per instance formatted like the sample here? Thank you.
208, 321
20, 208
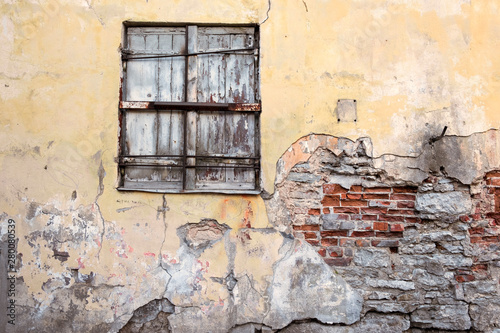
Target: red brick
310, 235
362, 242
465, 278
391, 218
402, 197
401, 212
326, 210
336, 252
493, 181
369, 217
383, 203
338, 261
476, 231
376, 196
348, 210
406, 204
493, 174
464, 218
413, 219
380, 226
390, 234
377, 190
354, 203
353, 196
314, 211
479, 267
313, 242
331, 200
329, 241
356, 188
376, 210
346, 242
363, 234
486, 239
307, 227
334, 233
333, 189
397, 227
405, 189
322, 252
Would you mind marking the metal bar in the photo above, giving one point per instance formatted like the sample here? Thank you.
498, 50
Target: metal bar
127, 55
191, 106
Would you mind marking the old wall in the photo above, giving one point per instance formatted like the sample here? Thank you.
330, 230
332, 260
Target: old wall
397, 228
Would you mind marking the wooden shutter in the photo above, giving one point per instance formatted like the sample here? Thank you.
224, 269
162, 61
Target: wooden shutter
183, 150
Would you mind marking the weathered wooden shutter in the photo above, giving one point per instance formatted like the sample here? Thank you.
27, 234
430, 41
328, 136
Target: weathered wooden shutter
191, 149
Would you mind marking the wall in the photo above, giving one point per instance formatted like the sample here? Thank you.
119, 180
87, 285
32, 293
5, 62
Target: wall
417, 249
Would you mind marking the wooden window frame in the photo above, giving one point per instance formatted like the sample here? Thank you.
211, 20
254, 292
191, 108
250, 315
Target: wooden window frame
190, 110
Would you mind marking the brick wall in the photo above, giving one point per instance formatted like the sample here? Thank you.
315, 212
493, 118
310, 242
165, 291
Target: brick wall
358, 217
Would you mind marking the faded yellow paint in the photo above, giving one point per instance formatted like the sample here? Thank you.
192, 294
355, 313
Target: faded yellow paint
414, 67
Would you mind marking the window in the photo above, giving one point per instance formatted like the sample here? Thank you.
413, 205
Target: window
189, 110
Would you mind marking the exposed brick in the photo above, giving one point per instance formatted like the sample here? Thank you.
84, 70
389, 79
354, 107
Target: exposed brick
377, 190
348, 210
374, 203
465, 278
413, 220
369, 217
331, 200
476, 231
313, 242
377, 210
486, 239
362, 242
354, 203
391, 218
407, 212
326, 210
307, 227
336, 252
389, 234
333, 189
338, 261
322, 252
346, 242
464, 218
362, 234
353, 196
385, 243
491, 174
376, 196
493, 181
402, 197
329, 241
380, 226
406, 204
397, 227
310, 235
334, 233
405, 189
356, 188
479, 267
314, 211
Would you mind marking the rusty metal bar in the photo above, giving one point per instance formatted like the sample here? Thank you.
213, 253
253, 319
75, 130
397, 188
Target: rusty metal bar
191, 106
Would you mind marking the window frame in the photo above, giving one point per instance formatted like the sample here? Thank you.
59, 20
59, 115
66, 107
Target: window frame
190, 111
